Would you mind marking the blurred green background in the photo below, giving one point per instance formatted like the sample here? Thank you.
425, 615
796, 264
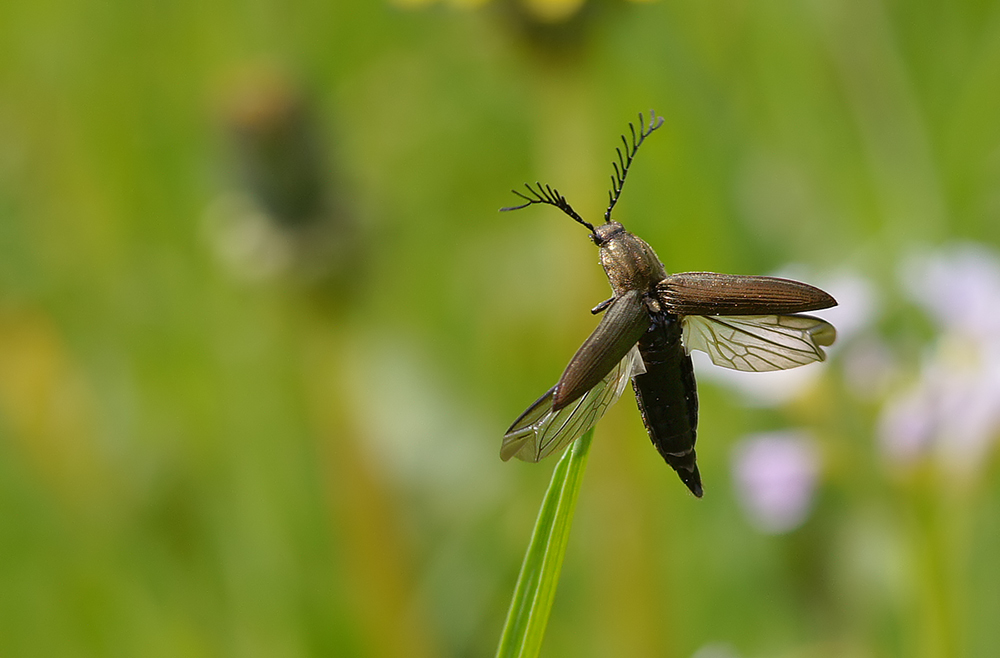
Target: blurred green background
262, 327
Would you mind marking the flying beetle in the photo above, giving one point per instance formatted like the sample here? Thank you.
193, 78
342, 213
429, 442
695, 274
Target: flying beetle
650, 325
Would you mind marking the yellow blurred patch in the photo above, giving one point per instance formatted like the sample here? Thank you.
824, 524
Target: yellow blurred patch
553, 11
46, 404
418, 4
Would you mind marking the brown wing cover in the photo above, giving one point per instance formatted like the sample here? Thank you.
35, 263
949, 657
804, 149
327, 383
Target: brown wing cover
708, 293
620, 328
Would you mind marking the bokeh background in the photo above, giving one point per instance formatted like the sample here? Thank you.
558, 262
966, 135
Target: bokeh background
262, 327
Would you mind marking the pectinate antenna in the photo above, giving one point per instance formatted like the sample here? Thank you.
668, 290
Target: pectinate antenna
624, 160
548, 195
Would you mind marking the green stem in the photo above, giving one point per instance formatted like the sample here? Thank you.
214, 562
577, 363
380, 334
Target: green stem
536, 584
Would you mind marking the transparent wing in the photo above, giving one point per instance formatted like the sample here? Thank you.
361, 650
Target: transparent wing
759, 343
540, 431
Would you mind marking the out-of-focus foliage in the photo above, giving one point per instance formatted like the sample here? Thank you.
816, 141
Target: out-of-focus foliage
256, 416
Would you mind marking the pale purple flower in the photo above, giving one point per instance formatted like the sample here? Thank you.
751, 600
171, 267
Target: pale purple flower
775, 475
907, 426
952, 411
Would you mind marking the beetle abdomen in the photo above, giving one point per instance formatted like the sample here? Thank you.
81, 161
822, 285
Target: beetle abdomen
667, 396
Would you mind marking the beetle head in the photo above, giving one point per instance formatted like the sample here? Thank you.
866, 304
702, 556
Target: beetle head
606, 232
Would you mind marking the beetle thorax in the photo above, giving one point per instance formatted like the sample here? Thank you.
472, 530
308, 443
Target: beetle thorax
629, 262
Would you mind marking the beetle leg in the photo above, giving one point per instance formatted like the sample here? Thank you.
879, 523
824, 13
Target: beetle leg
602, 306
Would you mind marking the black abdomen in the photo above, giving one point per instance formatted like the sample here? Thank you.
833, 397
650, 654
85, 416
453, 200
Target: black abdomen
668, 397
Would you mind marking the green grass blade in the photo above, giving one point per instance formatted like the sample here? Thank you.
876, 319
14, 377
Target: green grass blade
536, 584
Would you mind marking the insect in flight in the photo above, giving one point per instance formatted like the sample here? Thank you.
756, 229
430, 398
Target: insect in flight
650, 325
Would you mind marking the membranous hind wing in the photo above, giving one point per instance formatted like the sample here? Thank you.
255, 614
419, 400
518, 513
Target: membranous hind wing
541, 430
759, 343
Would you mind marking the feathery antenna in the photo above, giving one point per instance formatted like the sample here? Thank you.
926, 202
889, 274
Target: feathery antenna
621, 167
548, 195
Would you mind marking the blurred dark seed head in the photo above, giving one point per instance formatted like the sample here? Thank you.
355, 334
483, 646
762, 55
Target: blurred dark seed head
556, 30
278, 148
285, 213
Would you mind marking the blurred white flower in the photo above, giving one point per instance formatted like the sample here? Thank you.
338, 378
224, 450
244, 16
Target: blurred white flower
775, 475
869, 367
417, 430
959, 286
857, 307
952, 412
245, 240
716, 650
